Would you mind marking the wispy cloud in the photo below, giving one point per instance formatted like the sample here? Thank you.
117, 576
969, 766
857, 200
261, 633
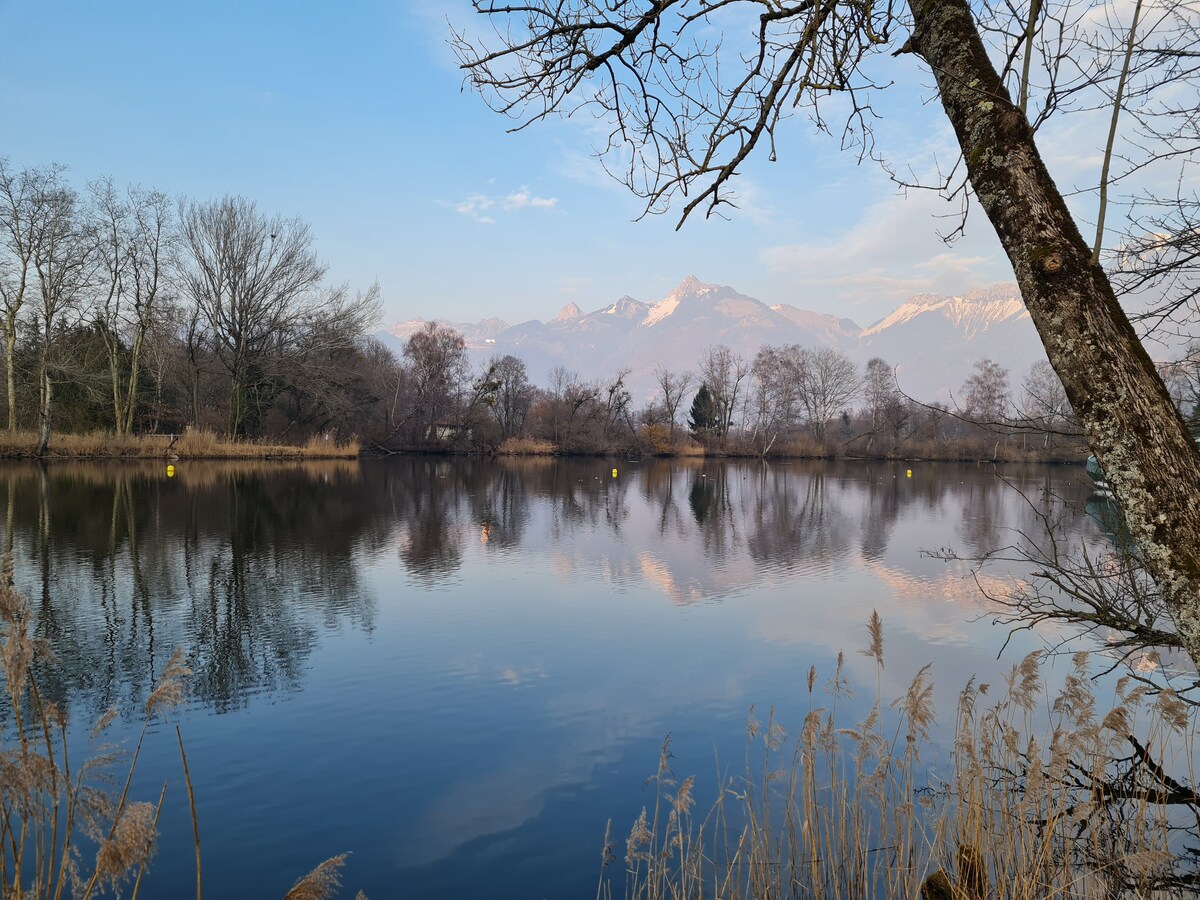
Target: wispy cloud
475, 207
483, 208
520, 199
892, 252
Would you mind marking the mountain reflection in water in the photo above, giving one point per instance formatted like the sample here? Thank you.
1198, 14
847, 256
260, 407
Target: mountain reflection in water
459, 669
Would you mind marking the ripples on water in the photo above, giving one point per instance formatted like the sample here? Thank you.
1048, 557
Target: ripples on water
459, 670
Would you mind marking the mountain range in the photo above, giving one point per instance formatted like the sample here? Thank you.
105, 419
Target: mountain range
932, 341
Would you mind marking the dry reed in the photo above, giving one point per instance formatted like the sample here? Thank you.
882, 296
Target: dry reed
1043, 799
321, 883
51, 811
63, 830
192, 444
525, 446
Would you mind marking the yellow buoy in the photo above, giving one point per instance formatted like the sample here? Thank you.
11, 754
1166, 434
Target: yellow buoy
170, 471
614, 473
908, 473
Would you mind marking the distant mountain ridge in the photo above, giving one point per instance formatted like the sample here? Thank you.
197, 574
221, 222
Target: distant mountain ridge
934, 341
971, 314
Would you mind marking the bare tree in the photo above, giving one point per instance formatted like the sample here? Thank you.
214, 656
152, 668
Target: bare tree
388, 380
779, 374
889, 409
164, 359
64, 259
1044, 402
560, 381
686, 112
26, 200
436, 358
134, 239
513, 395
831, 382
259, 288
985, 394
673, 386
320, 366
879, 384
618, 407
197, 345
1182, 377
575, 413
724, 372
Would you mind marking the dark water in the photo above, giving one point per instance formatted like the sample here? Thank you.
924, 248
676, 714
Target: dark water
460, 670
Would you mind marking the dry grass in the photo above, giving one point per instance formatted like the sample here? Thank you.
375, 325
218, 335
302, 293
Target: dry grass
1043, 799
192, 444
689, 448
525, 446
806, 446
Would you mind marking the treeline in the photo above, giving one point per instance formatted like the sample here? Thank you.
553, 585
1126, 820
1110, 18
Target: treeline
787, 400
127, 311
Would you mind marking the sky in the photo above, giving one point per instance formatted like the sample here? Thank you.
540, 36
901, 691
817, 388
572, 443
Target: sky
355, 118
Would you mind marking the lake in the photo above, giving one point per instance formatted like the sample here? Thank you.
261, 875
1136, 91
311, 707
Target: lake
460, 670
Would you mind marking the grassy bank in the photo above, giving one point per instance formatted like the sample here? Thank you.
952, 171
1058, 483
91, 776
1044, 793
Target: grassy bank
192, 444
958, 450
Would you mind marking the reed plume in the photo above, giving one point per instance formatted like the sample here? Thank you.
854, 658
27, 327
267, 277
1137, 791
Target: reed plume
1031, 808
321, 883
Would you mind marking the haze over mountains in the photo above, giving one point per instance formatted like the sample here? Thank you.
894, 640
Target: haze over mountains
934, 342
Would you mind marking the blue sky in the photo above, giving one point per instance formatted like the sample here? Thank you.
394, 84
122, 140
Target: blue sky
353, 117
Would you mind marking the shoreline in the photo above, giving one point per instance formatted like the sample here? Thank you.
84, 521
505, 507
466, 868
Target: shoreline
192, 445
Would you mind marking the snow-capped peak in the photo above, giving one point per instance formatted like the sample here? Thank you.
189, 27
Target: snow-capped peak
690, 286
971, 313
626, 308
660, 310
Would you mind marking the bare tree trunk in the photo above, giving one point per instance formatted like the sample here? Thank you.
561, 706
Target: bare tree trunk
10, 346
1128, 417
131, 393
47, 392
114, 373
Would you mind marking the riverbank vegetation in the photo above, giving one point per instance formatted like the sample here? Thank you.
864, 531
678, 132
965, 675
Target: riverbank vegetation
1043, 796
191, 444
788, 401
126, 313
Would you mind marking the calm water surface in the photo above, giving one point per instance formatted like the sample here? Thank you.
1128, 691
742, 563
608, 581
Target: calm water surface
460, 670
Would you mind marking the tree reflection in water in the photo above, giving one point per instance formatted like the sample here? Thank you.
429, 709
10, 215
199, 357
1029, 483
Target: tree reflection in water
236, 562
245, 563
253, 568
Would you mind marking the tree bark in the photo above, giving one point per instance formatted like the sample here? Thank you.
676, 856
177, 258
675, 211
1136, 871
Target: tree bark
47, 391
10, 381
1133, 427
131, 392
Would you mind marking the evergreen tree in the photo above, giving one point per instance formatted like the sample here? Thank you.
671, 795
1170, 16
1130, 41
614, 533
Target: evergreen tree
704, 417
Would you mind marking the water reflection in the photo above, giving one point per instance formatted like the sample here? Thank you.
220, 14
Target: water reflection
480, 655
246, 564
228, 560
